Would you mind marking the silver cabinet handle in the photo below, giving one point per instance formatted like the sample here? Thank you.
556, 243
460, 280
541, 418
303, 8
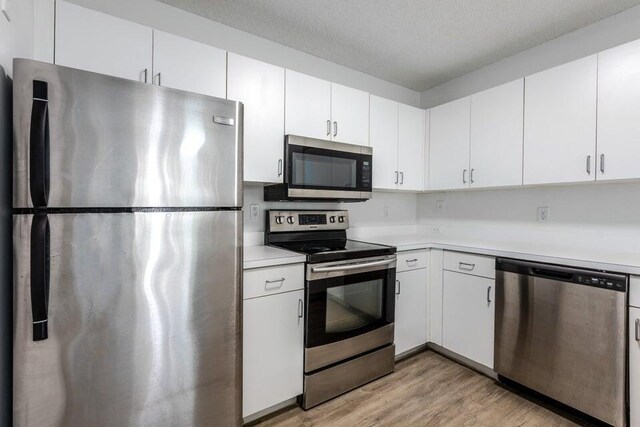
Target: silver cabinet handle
328, 127
270, 282
397, 287
412, 260
401, 178
471, 176
602, 163
464, 176
300, 309
397, 175
489, 294
466, 266
159, 79
146, 73
638, 330
589, 165
335, 128
279, 167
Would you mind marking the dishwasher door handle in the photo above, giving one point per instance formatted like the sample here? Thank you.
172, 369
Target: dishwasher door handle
551, 274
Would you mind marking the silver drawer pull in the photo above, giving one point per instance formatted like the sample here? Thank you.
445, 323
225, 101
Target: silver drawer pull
397, 287
270, 282
467, 266
638, 330
412, 260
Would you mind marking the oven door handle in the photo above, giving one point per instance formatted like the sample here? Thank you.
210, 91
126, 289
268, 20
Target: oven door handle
348, 267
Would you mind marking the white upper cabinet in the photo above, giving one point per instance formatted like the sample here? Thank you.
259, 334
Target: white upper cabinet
101, 43
619, 112
449, 145
185, 64
410, 147
349, 115
560, 123
383, 139
496, 136
307, 106
260, 87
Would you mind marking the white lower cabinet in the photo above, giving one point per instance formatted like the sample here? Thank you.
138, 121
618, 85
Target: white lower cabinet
273, 350
411, 310
468, 316
634, 365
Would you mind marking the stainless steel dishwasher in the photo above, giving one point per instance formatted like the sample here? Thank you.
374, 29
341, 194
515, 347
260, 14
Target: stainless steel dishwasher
561, 331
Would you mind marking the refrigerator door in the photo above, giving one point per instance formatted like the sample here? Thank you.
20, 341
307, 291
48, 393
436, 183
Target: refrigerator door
88, 140
144, 319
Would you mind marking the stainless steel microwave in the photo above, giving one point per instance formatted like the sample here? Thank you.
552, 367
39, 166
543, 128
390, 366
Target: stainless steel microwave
318, 170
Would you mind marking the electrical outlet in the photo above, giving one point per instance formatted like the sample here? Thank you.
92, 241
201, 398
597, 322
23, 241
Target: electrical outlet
5, 6
387, 214
255, 212
436, 229
440, 206
543, 214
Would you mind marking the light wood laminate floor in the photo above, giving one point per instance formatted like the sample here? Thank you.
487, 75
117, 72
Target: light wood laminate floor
425, 390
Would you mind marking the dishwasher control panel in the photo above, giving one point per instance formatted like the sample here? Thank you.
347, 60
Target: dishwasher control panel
618, 284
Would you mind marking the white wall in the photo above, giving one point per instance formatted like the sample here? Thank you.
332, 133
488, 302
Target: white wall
167, 18
589, 221
601, 35
402, 208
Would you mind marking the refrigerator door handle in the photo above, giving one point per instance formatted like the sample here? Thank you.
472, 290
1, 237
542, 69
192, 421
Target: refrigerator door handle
39, 145
40, 276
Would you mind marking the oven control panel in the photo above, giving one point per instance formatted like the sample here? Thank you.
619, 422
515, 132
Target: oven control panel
302, 220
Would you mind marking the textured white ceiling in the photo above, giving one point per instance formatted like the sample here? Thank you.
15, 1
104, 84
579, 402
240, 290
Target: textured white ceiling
415, 43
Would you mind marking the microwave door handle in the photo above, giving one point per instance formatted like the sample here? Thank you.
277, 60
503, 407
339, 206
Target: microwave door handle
348, 267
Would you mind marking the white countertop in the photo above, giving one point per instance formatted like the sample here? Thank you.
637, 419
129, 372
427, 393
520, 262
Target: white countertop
267, 256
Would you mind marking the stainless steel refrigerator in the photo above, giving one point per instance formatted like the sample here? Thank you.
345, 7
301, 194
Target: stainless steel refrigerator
127, 252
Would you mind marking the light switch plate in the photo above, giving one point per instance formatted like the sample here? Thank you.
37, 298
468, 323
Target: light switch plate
5, 6
440, 206
255, 212
543, 214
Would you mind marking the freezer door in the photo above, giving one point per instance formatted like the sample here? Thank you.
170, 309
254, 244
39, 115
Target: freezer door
89, 140
144, 320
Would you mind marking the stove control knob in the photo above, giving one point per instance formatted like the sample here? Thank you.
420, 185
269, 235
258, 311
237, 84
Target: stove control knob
340, 218
332, 219
279, 219
290, 219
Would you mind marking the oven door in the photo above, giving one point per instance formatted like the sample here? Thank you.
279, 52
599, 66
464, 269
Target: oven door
350, 309
319, 169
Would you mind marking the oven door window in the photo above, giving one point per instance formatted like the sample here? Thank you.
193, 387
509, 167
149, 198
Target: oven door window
322, 169
346, 306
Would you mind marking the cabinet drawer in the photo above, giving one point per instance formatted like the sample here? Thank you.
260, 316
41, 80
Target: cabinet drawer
411, 260
477, 265
634, 291
259, 282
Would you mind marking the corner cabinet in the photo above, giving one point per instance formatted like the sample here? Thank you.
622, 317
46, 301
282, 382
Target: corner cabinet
469, 306
185, 64
449, 145
560, 123
411, 301
260, 87
97, 42
273, 336
619, 113
634, 365
410, 147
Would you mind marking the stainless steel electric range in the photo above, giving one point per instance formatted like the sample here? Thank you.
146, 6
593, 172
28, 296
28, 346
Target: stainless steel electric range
349, 292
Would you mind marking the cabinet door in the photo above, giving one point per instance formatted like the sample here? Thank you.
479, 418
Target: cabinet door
349, 115
410, 146
468, 316
411, 310
426, 149
619, 112
273, 347
496, 136
634, 365
307, 106
383, 138
260, 87
449, 145
560, 123
101, 43
185, 64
